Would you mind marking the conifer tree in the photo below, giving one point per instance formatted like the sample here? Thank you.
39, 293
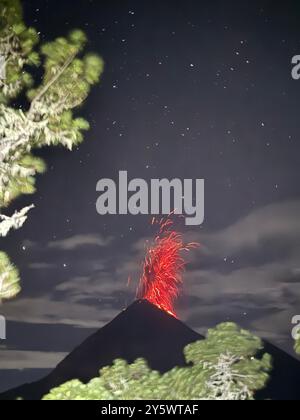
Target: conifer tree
9, 278
48, 119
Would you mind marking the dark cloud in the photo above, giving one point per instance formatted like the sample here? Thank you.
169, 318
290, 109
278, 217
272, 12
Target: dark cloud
79, 241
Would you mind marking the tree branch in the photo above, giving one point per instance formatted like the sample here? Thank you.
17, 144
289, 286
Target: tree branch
50, 83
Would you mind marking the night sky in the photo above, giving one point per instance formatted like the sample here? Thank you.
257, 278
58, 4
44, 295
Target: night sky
191, 89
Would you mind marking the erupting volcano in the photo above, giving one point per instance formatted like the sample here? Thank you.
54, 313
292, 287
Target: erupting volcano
149, 328
161, 280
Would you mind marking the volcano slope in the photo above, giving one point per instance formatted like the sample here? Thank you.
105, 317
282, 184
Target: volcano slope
143, 330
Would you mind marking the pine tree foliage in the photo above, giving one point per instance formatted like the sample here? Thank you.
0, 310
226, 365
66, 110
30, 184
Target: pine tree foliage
9, 278
224, 366
67, 80
48, 119
227, 383
17, 44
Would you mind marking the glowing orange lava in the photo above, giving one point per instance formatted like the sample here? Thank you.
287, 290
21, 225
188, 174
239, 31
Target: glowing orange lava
161, 279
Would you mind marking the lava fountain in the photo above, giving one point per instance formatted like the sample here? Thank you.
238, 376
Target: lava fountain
161, 280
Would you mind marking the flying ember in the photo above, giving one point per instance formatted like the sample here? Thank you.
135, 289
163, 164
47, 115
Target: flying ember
163, 267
